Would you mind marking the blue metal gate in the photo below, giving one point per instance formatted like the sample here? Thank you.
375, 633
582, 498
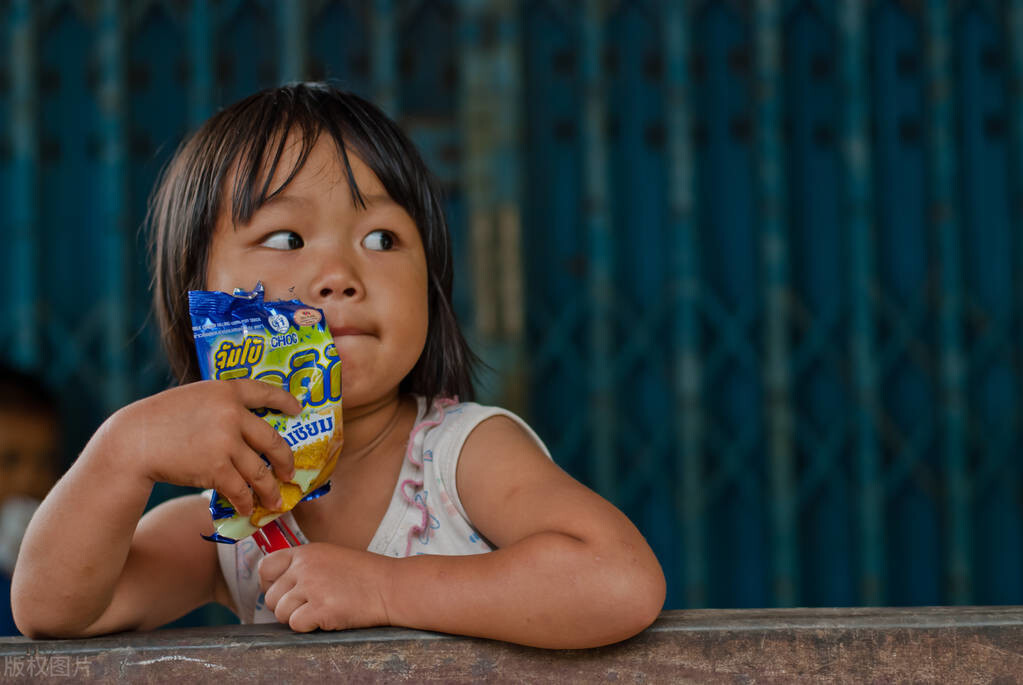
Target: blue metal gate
748, 267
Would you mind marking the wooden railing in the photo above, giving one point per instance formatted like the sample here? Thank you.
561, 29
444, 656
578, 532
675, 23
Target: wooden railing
932, 644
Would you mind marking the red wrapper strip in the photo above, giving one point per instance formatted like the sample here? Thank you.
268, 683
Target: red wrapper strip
274, 536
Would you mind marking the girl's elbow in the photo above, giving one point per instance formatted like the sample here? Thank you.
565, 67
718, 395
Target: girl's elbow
637, 601
34, 628
30, 622
647, 598
30, 631
33, 624
21, 611
41, 620
657, 596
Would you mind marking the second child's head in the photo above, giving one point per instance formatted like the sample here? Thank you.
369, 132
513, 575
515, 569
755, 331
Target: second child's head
317, 194
28, 435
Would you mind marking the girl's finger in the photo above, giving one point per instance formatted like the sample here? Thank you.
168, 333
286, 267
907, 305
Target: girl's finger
303, 619
260, 475
257, 395
277, 591
232, 485
272, 566
287, 604
262, 438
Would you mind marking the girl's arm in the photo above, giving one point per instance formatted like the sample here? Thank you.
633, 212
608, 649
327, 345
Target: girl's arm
167, 571
87, 565
570, 570
84, 569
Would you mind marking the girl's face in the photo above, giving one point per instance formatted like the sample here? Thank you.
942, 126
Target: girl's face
364, 267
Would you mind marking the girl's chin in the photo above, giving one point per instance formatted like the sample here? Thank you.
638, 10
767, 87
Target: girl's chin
353, 393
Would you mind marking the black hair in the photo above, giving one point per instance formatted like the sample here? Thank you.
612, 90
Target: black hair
25, 392
248, 138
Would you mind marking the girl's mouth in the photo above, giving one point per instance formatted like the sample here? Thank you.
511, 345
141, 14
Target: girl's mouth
346, 331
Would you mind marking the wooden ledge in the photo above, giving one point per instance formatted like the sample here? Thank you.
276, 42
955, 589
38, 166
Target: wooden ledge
930, 644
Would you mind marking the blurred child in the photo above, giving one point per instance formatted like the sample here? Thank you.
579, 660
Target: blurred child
28, 467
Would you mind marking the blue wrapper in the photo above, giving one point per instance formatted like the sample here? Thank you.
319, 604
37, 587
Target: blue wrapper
285, 343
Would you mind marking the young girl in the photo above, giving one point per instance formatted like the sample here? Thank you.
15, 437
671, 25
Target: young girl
444, 515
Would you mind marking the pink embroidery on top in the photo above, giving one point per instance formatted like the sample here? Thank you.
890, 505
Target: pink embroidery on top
439, 405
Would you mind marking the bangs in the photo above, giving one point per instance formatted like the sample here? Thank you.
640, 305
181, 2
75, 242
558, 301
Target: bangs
255, 134
260, 146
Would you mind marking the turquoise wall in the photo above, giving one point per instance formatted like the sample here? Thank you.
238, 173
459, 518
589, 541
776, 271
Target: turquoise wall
748, 267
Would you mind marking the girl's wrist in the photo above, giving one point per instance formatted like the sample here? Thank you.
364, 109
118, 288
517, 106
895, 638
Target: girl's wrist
402, 582
115, 456
386, 571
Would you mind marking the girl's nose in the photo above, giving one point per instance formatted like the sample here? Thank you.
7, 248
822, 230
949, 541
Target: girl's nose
327, 292
337, 277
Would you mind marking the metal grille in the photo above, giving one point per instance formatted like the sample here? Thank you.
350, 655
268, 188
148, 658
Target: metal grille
750, 269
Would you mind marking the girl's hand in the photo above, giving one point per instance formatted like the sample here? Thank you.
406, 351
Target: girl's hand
325, 586
203, 435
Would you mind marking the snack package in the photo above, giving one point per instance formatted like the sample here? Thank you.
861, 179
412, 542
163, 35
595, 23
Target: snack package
285, 343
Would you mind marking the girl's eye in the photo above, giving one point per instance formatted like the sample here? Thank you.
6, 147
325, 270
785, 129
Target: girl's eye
379, 240
283, 240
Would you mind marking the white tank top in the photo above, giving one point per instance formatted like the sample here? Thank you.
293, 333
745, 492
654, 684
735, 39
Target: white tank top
425, 515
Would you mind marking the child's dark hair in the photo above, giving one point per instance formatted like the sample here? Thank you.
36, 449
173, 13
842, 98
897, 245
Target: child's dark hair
22, 391
248, 138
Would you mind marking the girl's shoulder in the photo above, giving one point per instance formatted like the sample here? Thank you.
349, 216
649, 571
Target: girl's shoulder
439, 437
447, 424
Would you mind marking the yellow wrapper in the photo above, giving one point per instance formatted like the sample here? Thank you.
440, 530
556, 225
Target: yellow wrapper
286, 344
